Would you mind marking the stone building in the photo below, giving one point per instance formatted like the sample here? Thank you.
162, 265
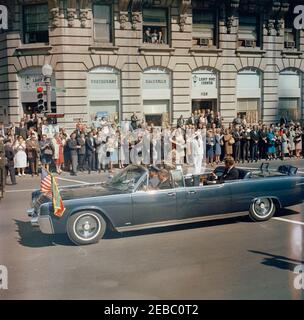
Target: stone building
159, 58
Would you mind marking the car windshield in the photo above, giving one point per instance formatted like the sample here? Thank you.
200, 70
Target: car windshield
127, 178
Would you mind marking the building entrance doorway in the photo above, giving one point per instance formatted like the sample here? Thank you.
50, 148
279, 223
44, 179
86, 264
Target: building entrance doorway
204, 105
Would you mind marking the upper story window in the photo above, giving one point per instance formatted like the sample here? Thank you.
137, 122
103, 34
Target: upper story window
291, 35
102, 22
155, 26
204, 28
36, 23
249, 31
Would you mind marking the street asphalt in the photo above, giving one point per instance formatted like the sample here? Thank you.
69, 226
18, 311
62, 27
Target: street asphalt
231, 258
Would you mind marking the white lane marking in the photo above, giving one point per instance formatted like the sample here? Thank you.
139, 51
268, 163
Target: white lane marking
290, 221
71, 180
24, 190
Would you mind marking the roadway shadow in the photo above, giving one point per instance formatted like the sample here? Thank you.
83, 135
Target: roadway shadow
286, 212
32, 237
281, 262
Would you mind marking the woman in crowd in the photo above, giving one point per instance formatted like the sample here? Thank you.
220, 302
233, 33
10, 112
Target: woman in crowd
100, 151
278, 144
218, 139
58, 152
210, 142
228, 143
271, 150
285, 143
33, 153
20, 155
298, 142
46, 149
291, 138
110, 151
180, 146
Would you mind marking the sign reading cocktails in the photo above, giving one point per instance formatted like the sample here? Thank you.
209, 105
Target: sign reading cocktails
3, 18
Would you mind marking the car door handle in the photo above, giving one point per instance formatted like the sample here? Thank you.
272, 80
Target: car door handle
192, 192
171, 194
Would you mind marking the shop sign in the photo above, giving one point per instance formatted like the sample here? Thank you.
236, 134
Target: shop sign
204, 85
152, 81
106, 81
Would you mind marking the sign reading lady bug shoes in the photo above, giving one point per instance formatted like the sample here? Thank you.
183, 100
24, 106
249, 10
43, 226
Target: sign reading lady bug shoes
3, 17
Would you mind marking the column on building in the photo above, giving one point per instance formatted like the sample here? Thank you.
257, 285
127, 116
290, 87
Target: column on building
104, 94
290, 81
249, 93
156, 95
204, 90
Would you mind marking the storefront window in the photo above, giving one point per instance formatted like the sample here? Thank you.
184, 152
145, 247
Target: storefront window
248, 31
156, 94
249, 94
288, 109
204, 28
289, 94
155, 26
104, 93
102, 22
36, 23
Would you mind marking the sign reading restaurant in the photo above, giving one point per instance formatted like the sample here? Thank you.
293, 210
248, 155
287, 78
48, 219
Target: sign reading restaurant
3, 18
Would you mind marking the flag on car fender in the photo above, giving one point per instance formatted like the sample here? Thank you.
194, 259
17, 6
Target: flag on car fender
58, 204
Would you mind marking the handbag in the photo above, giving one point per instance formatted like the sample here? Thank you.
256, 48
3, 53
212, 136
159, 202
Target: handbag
48, 152
231, 140
108, 154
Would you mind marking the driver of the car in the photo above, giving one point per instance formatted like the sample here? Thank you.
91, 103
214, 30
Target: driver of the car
164, 178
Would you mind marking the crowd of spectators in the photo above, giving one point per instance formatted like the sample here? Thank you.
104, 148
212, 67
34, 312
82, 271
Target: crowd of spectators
105, 145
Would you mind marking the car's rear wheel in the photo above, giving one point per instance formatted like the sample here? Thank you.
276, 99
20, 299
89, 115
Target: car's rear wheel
262, 209
86, 227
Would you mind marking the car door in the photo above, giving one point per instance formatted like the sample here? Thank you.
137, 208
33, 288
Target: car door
205, 201
154, 206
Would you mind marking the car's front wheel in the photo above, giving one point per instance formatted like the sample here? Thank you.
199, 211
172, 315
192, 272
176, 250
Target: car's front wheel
86, 227
262, 209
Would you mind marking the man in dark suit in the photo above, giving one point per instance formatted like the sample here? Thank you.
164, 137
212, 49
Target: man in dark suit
254, 136
9, 165
73, 146
164, 178
230, 172
90, 149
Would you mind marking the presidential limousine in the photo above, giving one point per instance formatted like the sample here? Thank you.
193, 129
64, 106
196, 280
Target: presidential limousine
127, 202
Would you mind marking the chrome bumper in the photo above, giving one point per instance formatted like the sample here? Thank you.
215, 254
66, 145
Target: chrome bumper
45, 224
30, 212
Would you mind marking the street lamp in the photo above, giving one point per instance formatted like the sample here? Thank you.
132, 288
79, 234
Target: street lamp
47, 72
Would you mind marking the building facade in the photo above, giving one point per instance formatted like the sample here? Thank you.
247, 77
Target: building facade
159, 58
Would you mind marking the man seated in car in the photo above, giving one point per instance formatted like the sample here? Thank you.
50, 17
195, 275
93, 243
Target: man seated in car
153, 178
164, 177
230, 172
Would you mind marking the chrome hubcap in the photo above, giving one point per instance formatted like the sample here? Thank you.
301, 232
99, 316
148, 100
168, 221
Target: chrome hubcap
87, 227
262, 207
